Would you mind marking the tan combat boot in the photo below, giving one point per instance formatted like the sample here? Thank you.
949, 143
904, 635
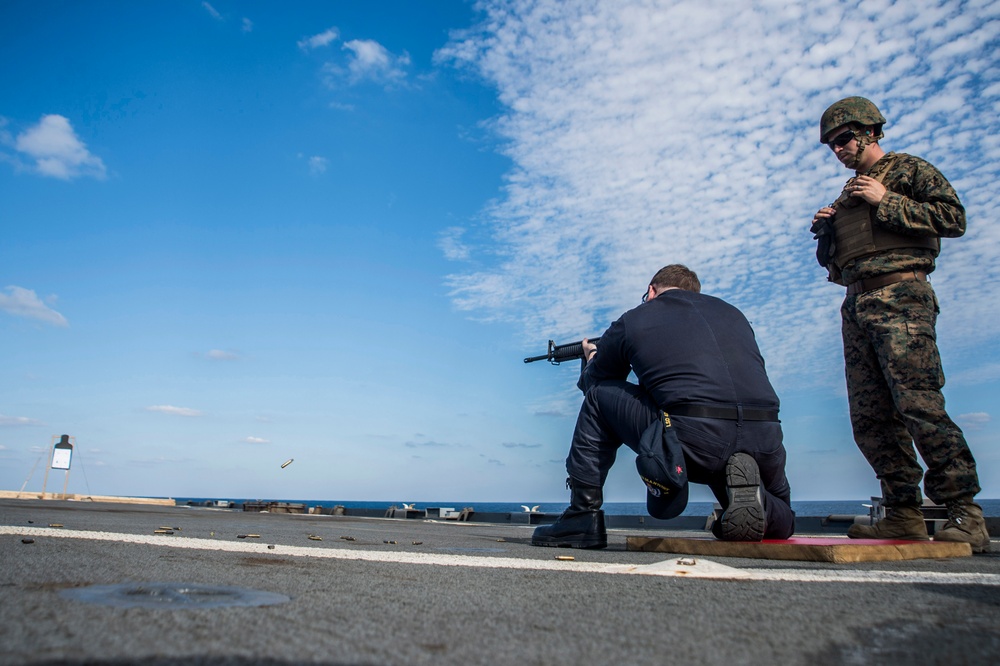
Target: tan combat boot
966, 524
900, 522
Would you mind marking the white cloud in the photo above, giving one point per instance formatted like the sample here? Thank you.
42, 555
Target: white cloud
451, 244
22, 302
17, 421
212, 11
57, 151
370, 61
222, 355
643, 133
174, 411
247, 25
981, 373
974, 420
317, 165
318, 41
5, 136
257, 440
366, 61
428, 444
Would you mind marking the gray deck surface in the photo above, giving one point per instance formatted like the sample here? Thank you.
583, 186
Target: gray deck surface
467, 593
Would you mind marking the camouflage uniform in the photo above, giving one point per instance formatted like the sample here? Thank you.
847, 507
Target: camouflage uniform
893, 368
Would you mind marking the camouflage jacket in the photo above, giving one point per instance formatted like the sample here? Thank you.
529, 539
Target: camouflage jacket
919, 201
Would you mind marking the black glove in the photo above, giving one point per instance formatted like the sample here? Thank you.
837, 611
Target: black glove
826, 245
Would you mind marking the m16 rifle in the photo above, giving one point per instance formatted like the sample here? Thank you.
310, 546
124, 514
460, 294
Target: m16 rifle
559, 353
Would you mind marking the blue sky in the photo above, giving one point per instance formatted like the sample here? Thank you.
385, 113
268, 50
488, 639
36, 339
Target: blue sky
238, 233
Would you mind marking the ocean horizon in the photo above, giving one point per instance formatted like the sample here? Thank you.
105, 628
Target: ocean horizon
991, 507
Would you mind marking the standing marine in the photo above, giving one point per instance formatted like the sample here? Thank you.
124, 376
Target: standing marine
880, 239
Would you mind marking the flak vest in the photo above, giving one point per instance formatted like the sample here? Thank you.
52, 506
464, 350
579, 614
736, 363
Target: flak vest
856, 234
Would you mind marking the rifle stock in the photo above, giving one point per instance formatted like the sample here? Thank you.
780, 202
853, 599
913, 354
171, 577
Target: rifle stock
559, 353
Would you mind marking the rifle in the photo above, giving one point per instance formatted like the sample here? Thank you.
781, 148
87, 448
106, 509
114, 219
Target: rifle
559, 353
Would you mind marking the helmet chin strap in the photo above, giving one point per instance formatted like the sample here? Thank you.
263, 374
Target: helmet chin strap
863, 142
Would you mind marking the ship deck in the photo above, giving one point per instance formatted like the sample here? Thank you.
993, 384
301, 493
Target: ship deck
195, 585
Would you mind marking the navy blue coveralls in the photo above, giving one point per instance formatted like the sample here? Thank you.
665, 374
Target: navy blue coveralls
686, 349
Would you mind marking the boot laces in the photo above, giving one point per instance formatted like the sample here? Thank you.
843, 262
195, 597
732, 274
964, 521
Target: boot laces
957, 513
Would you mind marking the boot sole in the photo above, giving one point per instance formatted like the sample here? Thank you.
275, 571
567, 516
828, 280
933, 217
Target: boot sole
854, 533
743, 519
563, 542
978, 547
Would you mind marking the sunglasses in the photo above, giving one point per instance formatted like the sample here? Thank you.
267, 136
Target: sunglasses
843, 139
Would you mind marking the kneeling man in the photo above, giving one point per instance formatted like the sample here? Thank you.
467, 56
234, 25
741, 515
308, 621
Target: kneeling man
703, 411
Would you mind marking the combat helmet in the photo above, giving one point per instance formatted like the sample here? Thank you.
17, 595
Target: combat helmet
850, 110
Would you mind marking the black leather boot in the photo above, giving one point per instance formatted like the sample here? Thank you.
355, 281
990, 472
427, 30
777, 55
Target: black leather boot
580, 526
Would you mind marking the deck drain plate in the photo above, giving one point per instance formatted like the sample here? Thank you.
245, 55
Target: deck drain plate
172, 596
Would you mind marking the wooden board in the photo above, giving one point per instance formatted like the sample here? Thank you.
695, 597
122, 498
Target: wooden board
807, 549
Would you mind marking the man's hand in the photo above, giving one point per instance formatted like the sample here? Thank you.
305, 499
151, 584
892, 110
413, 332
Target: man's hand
824, 213
867, 188
588, 349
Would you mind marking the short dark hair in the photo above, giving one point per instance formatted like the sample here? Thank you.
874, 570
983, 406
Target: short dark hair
676, 275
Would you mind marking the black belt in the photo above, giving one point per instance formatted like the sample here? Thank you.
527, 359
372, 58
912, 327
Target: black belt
725, 413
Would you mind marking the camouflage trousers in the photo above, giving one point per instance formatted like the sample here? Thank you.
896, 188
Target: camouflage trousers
894, 381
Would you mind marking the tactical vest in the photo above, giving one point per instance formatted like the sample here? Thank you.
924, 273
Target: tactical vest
856, 233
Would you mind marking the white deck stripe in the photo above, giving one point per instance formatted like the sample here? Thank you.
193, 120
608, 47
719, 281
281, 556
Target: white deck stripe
703, 568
